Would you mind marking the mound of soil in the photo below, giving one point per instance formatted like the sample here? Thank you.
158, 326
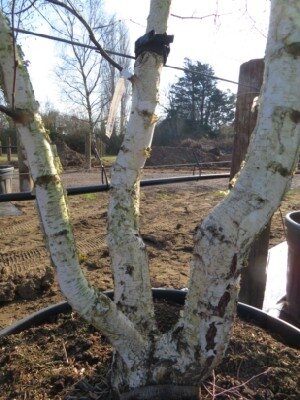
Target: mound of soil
68, 157
68, 359
162, 155
17, 282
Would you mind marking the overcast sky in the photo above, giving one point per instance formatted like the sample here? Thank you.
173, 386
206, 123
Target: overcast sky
237, 35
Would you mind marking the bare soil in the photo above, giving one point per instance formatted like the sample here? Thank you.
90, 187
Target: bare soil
69, 357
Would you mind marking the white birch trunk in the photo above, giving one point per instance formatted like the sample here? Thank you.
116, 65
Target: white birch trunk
187, 354
88, 302
132, 289
223, 239
128, 253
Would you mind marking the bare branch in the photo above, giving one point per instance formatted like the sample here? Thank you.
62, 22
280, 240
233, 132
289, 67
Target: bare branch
48, 22
17, 115
32, 3
90, 32
107, 25
192, 17
8, 111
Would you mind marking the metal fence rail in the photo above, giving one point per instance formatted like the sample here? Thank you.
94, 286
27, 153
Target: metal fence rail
71, 191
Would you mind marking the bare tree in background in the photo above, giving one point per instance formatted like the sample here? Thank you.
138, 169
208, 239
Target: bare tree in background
88, 81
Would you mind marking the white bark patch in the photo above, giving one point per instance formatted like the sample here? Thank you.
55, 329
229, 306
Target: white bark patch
95, 307
232, 226
128, 252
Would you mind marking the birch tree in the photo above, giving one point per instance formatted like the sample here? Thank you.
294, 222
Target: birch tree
149, 364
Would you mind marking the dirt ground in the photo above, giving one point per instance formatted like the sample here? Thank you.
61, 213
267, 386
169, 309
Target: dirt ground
169, 214
68, 359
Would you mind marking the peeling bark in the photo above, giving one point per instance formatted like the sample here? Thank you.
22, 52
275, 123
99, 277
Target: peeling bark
224, 238
127, 249
95, 307
132, 289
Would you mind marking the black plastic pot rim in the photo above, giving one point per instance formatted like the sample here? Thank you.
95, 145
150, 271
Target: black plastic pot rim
6, 175
292, 222
6, 167
290, 218
289, 333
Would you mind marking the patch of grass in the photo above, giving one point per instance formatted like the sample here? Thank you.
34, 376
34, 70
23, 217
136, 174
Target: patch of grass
3, 158
221, 193
161, 195
108, 159
90, 196
290, 193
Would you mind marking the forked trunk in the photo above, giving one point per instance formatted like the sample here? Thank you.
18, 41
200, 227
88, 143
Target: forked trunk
189, 351
149, 364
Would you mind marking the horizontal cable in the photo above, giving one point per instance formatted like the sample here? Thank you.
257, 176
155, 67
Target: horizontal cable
58, 39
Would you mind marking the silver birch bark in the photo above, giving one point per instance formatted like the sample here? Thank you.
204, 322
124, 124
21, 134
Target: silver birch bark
223, 239
95, 307
128, 252
132, 289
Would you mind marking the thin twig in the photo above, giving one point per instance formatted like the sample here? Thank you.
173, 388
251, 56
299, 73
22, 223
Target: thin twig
215, 15
214, 384
26, 8
233, 389
65, 353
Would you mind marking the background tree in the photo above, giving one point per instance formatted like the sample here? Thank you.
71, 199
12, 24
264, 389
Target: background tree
86, 80
196, 99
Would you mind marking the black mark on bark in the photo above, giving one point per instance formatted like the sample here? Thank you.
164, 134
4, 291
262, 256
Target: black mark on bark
210, 336
279, 168
46, 179
295, 116
224, 300
233, 265
293, 49
129, 270
61, 233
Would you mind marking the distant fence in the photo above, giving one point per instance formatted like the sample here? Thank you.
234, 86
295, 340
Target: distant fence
195, 166
8, 150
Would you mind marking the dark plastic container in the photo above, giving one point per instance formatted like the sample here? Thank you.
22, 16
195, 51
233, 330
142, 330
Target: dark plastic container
288, 333
292, 307
6, 175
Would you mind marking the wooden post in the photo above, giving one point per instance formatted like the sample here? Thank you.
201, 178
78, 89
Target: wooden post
25, 180
250, 81
8, 152
253, 278
88, 149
